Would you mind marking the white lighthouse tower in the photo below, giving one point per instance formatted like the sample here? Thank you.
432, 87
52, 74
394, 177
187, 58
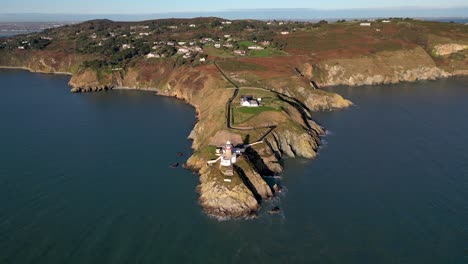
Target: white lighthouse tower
227, 156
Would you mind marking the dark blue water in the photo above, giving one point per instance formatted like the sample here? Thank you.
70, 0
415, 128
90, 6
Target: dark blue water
84, 178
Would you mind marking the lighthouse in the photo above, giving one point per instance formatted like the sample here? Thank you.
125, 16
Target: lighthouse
229, 155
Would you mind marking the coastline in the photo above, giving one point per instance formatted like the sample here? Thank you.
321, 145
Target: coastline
149, 89
34, 71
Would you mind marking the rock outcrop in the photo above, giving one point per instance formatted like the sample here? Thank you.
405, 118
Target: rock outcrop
381, 68
447, 49
225, 200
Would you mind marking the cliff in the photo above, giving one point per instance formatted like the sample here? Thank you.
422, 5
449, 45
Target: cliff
381, 68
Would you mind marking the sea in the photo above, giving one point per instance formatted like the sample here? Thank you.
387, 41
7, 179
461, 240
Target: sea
87, 178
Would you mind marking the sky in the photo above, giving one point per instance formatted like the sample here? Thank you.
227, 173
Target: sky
165, 6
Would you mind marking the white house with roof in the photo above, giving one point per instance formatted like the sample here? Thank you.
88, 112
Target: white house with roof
239, 52
153, 55
285, 33
255, 48
183, 50
365, 24
248, 101
127, 46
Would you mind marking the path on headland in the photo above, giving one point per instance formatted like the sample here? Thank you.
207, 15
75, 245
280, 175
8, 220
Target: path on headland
229, 125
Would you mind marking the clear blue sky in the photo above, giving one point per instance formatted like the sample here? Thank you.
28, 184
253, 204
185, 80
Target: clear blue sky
162, 6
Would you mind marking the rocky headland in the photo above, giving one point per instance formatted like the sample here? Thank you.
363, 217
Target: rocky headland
288, 81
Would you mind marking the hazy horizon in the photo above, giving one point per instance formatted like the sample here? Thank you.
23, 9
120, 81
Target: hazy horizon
270, 13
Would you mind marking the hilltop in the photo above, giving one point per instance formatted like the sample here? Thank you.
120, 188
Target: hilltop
214, 64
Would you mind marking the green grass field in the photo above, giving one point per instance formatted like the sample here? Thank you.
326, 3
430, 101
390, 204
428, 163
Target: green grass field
220, 53
243, 114
268, 52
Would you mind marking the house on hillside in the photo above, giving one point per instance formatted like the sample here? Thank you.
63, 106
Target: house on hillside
239, 52
285, 33
365, 24
153, 55
255, 48
127, 46
182, 50
192, 25
248, 101
386, 21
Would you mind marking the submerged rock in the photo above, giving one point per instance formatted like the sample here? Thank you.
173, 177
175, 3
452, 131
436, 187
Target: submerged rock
275, 210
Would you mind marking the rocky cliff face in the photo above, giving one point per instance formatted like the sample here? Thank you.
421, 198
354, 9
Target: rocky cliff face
381, 68
447, 49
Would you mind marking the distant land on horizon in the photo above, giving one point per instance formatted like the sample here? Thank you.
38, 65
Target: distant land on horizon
261, 14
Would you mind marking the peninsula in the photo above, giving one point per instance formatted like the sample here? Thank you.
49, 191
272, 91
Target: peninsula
253, 83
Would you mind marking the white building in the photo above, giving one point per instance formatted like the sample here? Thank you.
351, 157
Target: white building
248, 101
217, 45
255, 48
183, 50
285, 33
386, 21
365, 24
192, 25
181, 43
127, 46
202, 59
153, 55
226, 22
228, 45
239, 52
